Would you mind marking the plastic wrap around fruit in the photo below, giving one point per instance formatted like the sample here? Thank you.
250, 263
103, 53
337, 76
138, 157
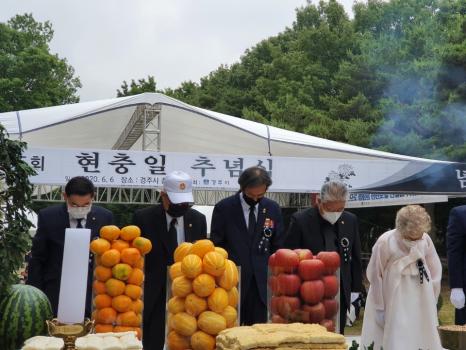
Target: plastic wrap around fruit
202, 296
303, 287
118, 279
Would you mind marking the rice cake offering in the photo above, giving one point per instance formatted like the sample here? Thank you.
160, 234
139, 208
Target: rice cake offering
43, 343
109, 341
293, 336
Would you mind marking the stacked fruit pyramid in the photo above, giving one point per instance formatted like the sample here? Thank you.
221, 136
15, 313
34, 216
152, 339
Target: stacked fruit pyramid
303, 287
118, 279
203, 298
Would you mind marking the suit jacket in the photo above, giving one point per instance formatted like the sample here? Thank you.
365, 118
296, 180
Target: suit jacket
304, 232
153, 223
456, 247
44, 270
229, 230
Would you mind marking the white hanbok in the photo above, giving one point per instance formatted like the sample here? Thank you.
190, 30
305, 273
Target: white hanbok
409, 306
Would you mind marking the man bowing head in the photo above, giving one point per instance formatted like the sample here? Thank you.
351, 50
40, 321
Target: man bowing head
167, 225
249, 226
328, 227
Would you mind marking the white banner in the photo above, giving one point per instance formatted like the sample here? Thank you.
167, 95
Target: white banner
120, 168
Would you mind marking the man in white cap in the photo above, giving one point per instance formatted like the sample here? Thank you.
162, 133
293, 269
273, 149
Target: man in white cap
167, 225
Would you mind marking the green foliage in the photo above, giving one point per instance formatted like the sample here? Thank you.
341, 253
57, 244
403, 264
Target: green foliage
302, 80
134, 88
392, 78
408, 48
355, 346
30, 75
15, 201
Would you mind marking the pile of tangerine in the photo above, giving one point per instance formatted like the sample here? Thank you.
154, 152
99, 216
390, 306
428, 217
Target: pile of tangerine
118, 279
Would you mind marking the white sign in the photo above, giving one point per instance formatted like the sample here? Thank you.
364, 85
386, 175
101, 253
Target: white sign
120, 168
73, 284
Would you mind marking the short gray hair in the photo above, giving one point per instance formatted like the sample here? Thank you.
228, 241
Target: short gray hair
333, 191
412, 222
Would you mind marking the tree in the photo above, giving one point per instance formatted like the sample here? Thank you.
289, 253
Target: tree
392, 78
15, 201
417, 48
291, 80
134, 88
30, 75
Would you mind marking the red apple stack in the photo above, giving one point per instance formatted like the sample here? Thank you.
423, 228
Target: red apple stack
303, 287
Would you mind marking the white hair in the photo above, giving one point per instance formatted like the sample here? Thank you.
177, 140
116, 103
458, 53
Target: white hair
412, 222
333, 191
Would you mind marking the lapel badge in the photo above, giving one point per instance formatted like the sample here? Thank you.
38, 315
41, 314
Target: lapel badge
345, 245
268, 227
93, 218
190, 225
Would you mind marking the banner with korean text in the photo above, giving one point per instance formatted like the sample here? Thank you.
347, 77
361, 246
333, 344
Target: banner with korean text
121, 168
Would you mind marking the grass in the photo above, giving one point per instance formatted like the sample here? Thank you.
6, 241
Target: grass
446, 313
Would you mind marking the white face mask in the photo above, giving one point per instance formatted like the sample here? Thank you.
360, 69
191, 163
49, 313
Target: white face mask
79, 212
331, 216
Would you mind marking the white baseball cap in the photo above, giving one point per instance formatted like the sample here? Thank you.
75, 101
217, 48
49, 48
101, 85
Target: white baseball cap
179, 187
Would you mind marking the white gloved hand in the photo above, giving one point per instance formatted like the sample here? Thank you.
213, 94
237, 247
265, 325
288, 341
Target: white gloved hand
354, 296
457, 298
350, 316
380, 317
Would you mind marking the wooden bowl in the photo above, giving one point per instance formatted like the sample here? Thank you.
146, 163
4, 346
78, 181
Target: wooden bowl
453, 337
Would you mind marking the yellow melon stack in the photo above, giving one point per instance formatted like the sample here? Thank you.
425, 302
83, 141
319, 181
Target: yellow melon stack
118, 279
204, 296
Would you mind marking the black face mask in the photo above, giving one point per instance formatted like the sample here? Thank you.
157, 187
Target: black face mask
250, 201
177, 210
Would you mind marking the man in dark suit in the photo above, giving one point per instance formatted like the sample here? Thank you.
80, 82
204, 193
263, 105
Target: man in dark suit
250, 228
456, 254
45, 264
329, 228
166, 225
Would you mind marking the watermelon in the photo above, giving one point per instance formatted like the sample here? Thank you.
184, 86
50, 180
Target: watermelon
23, 311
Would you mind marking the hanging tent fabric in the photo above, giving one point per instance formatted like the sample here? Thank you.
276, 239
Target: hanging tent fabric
99, 124
112, 124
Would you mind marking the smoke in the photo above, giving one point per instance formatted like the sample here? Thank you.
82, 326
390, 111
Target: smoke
425, 114
418, 56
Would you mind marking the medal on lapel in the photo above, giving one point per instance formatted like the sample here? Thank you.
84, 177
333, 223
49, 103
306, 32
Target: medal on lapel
345, 249
267, 230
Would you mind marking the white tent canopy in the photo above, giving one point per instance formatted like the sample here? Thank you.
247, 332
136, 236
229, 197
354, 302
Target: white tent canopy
99, 124
112, 124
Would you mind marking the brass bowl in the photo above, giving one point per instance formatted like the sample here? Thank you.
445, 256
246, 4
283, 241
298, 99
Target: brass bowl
453, 337
69, 332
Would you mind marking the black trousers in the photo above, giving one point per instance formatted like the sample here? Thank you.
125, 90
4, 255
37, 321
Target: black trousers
153, 335
343, 310
253, 309
460, 316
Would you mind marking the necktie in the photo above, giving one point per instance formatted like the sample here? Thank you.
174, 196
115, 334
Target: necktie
79, 225
172, 238
330, 237
252, 220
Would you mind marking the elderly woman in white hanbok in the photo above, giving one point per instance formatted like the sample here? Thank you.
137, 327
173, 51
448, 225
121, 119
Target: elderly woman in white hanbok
404, 273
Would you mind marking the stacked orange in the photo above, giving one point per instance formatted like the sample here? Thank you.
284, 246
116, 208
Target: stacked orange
204, 296
118, 279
